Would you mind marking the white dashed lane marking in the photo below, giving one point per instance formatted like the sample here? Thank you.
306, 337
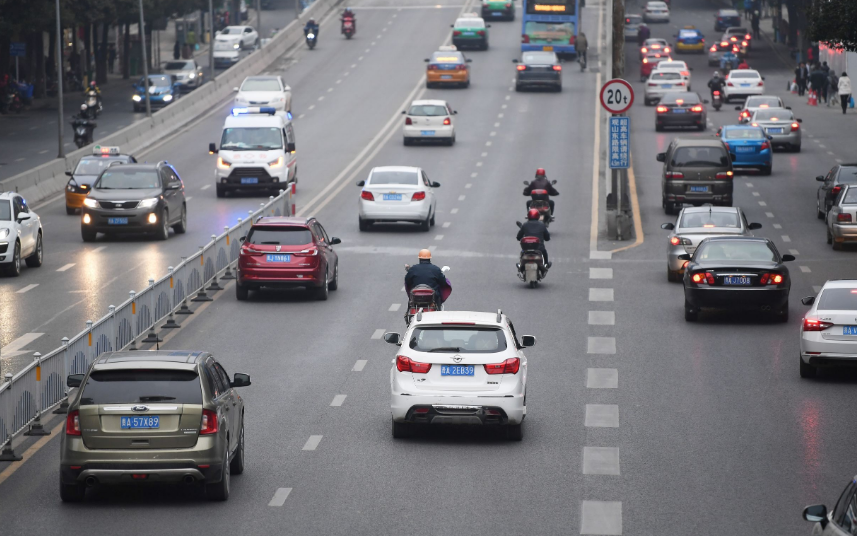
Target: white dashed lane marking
769, 214
446, 224
777, 226
794, 252
474, 175
311, 107
280, 497
600, 273
805, 269
461, 197
312, 442
786, 238
601, 294
762, 204
602, 378
756, 194
602, 318
488, 144
600, 461
28, 288
206, 187
395, 307
358, 366
601, 517
66, 267
600, 255
816, 288
454, 211
602, 416
378, 333
438, 237
484, 155
468, 186
337, 401
600, 345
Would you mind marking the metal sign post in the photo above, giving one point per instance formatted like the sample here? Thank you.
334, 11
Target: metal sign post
17, 50
617, 96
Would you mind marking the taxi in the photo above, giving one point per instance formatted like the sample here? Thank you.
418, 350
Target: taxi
689, 39
447, 67
470, 31
499, 9
87, 170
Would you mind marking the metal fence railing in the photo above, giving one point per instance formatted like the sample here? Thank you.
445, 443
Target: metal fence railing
40, 386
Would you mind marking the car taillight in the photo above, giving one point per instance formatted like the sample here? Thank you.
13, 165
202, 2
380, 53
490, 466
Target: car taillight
645, 60
724, 44
702, 40
72, 423
652, 84
748, 37
771, 279
697, 108
743, 43
733, 39
726, 143
724, 176
760, 84
713, 48
247, 250
745, 113
795, 126
522, 67
667, 50
680, 241
843, 217
662, 109
644, 50
836, 190
446, 121
509, 366
703, 278
408, 121
814, 324
367, 196
209, 423
557, 67
525, 38
432, 67
481, 33
674, 175
680, 84
418, 196
685, 73
456, 32
406, 364
730, 84
765, 145
309, 252
461, 67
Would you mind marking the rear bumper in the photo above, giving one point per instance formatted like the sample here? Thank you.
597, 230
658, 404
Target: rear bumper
844, 233
456, 77
744, 298
445, 131
720, 193
489, 13
415, 211
541, 79
472, 43
762, 158
676, 120
698, 47
658, 93
254, 277
829, 359
785, 140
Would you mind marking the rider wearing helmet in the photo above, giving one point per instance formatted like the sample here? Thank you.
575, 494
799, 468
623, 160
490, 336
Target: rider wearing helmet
347, 14
541, 182
716, 83
534, 227
426, 273
311, 26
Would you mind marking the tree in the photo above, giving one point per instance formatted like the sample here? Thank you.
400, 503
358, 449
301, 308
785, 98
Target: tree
833, 22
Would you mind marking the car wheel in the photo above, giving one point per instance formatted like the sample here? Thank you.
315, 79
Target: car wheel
236, 466
658, 128
767, 170
322, 292
241, 292
425, 226
795, 148
163, 231
837, 246
70, 211
181, 226
783, 315
402, 430
88, 235
407, 142
13, 269
334, 285
219, 491
673, 276
75, 492
829, 236
807, 370
35, 260
690, 314
220, 191
515, 432
363, 224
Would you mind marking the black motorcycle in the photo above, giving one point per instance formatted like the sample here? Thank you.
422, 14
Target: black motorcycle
531, 266
716, 100
11, 101
83, 128
311, 39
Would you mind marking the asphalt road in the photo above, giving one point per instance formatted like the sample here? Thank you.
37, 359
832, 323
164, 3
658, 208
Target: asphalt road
710, 429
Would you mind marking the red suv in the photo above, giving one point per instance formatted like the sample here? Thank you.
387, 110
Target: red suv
287, 252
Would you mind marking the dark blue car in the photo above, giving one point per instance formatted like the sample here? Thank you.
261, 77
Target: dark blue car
163, 90
726, 18
749, 146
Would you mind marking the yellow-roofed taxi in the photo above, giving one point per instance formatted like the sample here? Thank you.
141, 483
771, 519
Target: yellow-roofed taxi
447, 67
689, 39
87, 171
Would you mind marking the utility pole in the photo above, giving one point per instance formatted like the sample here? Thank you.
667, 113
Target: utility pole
145, 62
59, 73
211, 39
618, 38
297, 9
259, 19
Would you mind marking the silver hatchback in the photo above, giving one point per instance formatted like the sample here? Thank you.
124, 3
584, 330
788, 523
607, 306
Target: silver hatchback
781, 125
842, 218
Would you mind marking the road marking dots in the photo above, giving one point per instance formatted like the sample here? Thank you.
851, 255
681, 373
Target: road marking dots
206, 187
438, 237
312, 442
600, 461
353, 65
805, 269
484, 154
756, 194
601, 517
830, 153
461, 197
478, 164
839, 160
769, 214
329, 89
500, 115
474, 175
45, 150
602, 416
360, 58
301, 116
358, 367
280, 497
762, 204
749, 185
602, 378
487, 144
504, 106
188, 198
395, 307
794, 252
777, 226
786, 238
311, 106
446, 224
600, 273
454, 211
321, 98
28, 288
337, 401
508, 97
601, 294
600, 345
600, 255
468, 186
602, 318
493, 133
66, 267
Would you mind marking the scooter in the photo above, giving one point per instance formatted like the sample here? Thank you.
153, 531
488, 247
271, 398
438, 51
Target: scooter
93, 103
11, 102
531, 267
421, 298
716, 100
540, 200
348, 28
83, 128
310, 40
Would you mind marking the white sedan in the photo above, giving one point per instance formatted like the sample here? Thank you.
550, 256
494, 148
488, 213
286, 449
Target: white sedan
268, 91
429, 120
20, 235
246, 36
187, 72
828, 335
661, 82
459, 367
656, 12
397, 194
679, 66
741, 83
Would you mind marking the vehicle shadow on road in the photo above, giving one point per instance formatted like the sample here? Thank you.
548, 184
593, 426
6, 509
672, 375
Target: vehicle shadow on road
148, 495
442, 435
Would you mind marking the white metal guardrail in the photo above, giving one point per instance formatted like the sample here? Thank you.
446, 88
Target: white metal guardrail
40, 386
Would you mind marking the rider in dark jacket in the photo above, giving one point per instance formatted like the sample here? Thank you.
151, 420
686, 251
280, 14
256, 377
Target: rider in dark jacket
541, 182
311, 25
716, 83
534, 227
426, 273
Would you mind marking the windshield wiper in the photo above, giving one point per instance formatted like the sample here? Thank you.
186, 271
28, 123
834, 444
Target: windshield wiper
270, 243
156, 398
446, 349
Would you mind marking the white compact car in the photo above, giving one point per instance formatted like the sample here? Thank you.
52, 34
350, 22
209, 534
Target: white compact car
429, 120
828, 334
656, 12
187, 72
20, 235
396, 194
268, 91
246, 36
741, 83
632, 25
459, 367
678, 66
661, 82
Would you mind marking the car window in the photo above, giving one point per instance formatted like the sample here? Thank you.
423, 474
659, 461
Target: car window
687, 33
428, 110
165, 176
323, 232
316, 231
850, 197
744, 133
847, 175
458, 339
116, 178
426, 180
679, 97
141, 385
723, 250
744, 74
211, 378
838, 299
763, 102
394, 177
696, 220
700, 157
679, 65
470, 23
279, 236
5, 210
535, 58
251, 139
94, 166
665, 75
261, 85
158, 80
290, 133
777, 114
224, 378
514, 335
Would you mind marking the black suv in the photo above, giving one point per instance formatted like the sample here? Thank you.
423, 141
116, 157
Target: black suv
831, 184
135, 198
696, 171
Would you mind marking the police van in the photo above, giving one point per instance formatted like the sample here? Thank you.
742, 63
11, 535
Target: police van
257, 152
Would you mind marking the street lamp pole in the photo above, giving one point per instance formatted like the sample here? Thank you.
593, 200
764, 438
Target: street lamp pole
59, 73
145, 62
211, 39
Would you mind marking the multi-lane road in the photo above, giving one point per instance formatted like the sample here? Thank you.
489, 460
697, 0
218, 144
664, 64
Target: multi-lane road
638, 422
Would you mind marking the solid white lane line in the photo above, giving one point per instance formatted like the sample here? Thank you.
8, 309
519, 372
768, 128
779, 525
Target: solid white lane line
805, 269
438, 237
99, 248
601, 517
378, 333
602, 318
454, 211
596, 255
461, 197
66, 267
762, 204
446, 224
600, 273
602, 416
395, 307
28, 288
601, 294
786, 238
312, 442
358, 367
280, 497
600, 345
602, 378
338, 400
600, 461
206, 187
769, 214
777, 226
794, 252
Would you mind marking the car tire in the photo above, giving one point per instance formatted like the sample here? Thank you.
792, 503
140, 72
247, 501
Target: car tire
690, 315
163, 231
659, 128
431, 221
425, 226
322, 292
673, 276
334, 285
13, 269
795, 148
829, 236
70, 211
88, 235
181, 226
35, 260
72, 493
767, 170
782, 316
219, 491
220, 191
236, 466
515, 432
402, 430
837, 246
363, 224
407, 142
807, 370
451, 141
241, 292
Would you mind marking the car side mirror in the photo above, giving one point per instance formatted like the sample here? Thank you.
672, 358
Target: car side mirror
243, 238
737, 108
816, 513
290, 147
68, 173
788, 258
553, 182
455, 112
704, 101
74, 380
763, 78
800, 120
809, 300
235, 89
404, 112
820, 178
212, 148
528, 341
788, 107
23, 216
240, 380
684, 257
515, 60
754, 226
435, 185
770, 138
288, 88
445, 269
526, 183
668, 226
452, 25
662, 157
392, 338
426, 60
468, 60
334, 241
361, 183
519, 224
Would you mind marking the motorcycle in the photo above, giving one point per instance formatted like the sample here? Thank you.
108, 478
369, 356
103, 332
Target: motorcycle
348, 28
11, 102
310, 40
93, 104
421, 298
531, 267
83, 128
540, 200
716, 100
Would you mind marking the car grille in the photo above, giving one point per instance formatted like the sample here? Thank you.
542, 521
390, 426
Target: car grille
240, 172
118, 204
258, 102
3, 248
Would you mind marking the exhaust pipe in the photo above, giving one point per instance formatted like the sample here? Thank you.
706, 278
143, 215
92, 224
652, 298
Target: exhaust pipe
188, 479
90, 481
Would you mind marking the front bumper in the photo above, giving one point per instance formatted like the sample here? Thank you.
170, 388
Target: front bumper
138, 219
737, 298
226, 60
762, 158
267, 178
445, 131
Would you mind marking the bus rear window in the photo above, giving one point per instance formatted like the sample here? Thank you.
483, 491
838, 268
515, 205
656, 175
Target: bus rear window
549, 33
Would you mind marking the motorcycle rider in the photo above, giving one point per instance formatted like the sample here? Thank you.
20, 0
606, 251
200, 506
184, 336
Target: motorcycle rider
348, 14
94, 87
541, 182
79, 120
716, 84
730, 59
311, 27
426, 273
534, 227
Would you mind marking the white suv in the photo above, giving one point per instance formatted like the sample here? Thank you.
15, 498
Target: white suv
20, 235
828, 334
459, 367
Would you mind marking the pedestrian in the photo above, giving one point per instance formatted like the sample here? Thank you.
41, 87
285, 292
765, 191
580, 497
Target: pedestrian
754, 22
832, 89
582, 45
111, 57
817, 81
844, 91
801, 78
177, 50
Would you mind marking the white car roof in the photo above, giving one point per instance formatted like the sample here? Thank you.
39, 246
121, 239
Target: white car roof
429, 102
478, 318
396, 168
832, 283
256, 120
678, 65
753, 71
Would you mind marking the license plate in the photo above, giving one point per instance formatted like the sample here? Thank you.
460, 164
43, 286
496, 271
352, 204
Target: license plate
392, 197
117, 221
679, 110
457, 370
496, 13
468, 33
667, 86
446, 77
152, 421
273, 257
744, 149
700, 189
547, 49
775, 130
249, 180
849, 330
745, 85
736, 280
427, 132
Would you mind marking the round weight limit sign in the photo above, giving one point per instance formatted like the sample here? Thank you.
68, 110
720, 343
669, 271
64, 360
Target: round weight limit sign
617, 96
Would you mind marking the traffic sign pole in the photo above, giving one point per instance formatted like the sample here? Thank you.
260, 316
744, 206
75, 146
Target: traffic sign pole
617, 97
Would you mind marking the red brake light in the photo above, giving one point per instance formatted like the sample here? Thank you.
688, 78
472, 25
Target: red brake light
795, 126
743, 43
406, 364
461, 67
522, 67
675, 240
418, 196
667, 49
733, 38
557, 67
697, 108
765, 145
674, 175
680, 84
209, 423
836, 190
480, 32
652, 84
703, 278
730, 84
367, 196
509, 366
309, 252
72, 423
525, 38
713, 48
446, 121
760, 84
814, 324
645, 60
724, 44
662, 109
771, 279
456, 32
408, 121
432, 67
843, 217
727, 175
685, 73
748, 37
644, 50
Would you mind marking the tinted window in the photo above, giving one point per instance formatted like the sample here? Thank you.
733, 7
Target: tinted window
744, 74
772, 115
545, 58
744, 134
158, 80
430, 110
665, 75
838, 299
394, 177
5, 210
700, 157
470, 23
94, 166
253, 139
461, 340
178, 65
672, 65
143, 386
687, 34
847, 175
679, 97
279, 236
709, 219
722, 250
447, 57
758, 102
118, 179
261, 85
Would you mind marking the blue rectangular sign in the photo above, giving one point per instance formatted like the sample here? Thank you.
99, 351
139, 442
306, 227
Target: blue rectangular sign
18, 49
619, 143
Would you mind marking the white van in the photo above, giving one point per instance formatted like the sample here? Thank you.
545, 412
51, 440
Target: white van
257, 152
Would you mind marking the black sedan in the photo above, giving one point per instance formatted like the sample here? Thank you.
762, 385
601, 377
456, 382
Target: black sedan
538, 69
736, 273
680, 109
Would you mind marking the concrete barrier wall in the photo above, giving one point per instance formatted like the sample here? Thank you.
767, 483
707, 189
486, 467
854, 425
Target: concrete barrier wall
49, 178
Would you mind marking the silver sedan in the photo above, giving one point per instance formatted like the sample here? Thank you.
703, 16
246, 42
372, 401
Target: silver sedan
842, 218
695, 224
780, 124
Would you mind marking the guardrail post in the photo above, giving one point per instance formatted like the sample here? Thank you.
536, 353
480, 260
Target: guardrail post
171, 321
152, 336
228, 273
111, 311
214, 285
8, 455
133, 346
91, 357
63, 407
36, 428
201, 296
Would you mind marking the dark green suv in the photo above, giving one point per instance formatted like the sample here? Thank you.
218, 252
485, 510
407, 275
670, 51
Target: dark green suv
696, 171
153, 416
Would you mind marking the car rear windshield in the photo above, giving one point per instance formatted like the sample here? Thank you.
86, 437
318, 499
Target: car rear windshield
758, 102
462, 340
633, 19
847, 176
745, 74
141, 386
724, 250
679, 97
700, 157
678, 65
728, 13
838, 299
5, 210
470, 23
849, 199
94, 166
778, 114
744, 134
178, 65
119, 179
447, 57
279, 236
429, 110
251, 139
260, 85
394, 177
665, 75
694, 220
539, 58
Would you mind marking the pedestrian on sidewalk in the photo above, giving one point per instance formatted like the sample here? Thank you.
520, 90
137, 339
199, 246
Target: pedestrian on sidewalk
844, 90
801, 76
177, 50
832, 89
111, 57
818, 81
754, 22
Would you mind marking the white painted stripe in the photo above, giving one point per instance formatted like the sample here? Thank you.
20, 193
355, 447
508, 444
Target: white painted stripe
446, 224
432, 248
461, 198
601, 517
28, 288
493, 133
777, 226
602, 318
17, 346
600, 461
478, 164
353, 65
496, 125
66, 267
312, 442
762, 204
602, 378
602, 416
805, 269
600, 255
769, 214
378, 333
301, 116
600, 273
360, 58
756, 194
280, 497
206, 187
395, 307
794, 252
45, 150
99, 248
601, 294
487, 144
468, 186
500, 115
474, 175
321, 98
831, 153
358, 367
786, 238
504, 106
438, 237
454, 211
188, 198
749, 185
311, 106
338, 400
600, 345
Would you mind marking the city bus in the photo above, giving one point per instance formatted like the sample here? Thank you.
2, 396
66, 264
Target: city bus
550, 25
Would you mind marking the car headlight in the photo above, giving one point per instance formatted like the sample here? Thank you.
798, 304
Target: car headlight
223, 164
276, 163
91, 203
236, 46
168, 98
148, 203
4, 233
240, 99
192, 75
136, 98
